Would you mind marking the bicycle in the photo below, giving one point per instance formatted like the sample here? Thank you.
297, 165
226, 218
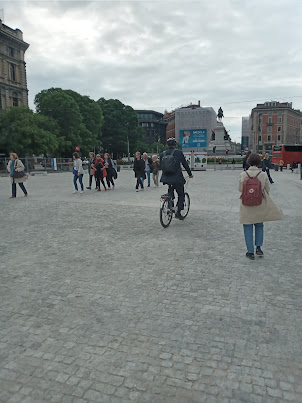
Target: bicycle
167, 209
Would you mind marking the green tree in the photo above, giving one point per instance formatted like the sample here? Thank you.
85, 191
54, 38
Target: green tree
120, 131
64, 110
27, 133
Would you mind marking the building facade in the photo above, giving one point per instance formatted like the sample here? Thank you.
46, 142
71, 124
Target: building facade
154, 126
246, 133
169, 117
275, 123
194, 118
13, 81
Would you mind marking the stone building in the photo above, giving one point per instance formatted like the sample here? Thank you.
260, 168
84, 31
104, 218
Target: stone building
169, 117
153, 125
275, 123
246, 133
13, 82
195, 118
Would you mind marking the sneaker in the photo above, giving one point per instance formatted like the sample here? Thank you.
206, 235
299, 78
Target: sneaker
26, 195
88, 187
82, 192
179, 216
12, 197
99, 190
105, 189
148, 186
136, 190
259, 252
74, 192
250, 256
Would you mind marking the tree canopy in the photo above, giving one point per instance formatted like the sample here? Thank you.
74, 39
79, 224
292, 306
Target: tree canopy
26, 133
120, 126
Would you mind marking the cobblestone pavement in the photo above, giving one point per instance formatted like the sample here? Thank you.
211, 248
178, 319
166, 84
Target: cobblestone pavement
101, 304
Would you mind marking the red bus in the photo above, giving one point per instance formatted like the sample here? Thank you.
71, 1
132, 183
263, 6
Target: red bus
288, 154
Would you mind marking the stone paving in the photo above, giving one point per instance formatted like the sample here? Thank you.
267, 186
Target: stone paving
100, 304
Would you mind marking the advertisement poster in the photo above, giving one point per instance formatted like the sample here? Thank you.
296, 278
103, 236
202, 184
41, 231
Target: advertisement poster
193, 138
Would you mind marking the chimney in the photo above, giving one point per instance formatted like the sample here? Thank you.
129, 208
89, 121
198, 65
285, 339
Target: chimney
199, 104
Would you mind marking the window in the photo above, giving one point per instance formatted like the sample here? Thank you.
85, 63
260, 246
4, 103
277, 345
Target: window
269, 120
269, 129
279, 128
15, 99
280, 111
11, 51
259, 138
269, 138
279, 119
269, 112
279, 137
12, 71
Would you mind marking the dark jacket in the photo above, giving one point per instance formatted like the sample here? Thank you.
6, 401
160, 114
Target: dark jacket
245, 165
139, 168
91, 162
109, 169
266, 164
99, 164
175, 178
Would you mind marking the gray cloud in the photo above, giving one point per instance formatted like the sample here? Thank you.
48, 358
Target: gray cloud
158, 55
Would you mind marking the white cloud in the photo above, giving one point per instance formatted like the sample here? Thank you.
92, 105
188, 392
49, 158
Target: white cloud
161, 54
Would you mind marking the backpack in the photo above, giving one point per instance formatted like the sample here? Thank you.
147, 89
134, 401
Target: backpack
252, 191
168, 163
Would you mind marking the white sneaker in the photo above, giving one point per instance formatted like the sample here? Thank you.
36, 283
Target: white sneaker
136, 190
74, 192
81, 192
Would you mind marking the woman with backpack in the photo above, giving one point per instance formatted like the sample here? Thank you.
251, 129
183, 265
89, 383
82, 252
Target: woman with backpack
256, 206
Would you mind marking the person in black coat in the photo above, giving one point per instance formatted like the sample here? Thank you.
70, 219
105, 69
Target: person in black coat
139, 169
266, 165
176, 180
110, 170
245, 165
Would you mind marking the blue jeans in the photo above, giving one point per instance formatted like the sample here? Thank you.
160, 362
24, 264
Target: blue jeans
249, 236
75, 178
149, 177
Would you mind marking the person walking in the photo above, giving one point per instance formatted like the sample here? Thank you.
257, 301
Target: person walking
254, 184
155, 169
110, 170
91, 169
266, 166
139, 170
245, 165
171, 162
17, 173
281, 164
78, 172
100, 172
148, 167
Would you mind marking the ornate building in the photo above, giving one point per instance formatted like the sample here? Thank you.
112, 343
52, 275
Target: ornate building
13, 83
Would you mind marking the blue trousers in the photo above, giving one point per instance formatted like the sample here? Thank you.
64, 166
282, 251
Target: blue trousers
75, 178
249, 236
149, 177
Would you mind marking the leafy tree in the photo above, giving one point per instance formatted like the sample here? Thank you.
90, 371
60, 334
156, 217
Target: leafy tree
27, 133
120, 127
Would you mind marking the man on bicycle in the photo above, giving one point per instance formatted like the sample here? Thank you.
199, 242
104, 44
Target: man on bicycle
170, 162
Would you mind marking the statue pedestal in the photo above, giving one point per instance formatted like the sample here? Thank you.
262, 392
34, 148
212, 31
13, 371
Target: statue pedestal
220, 143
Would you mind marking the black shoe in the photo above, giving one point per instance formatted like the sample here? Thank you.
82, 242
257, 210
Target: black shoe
250, 256
88, 187
259, 251
272, 182
149, 186
179, 216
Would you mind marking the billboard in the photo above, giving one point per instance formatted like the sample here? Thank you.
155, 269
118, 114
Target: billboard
193, 138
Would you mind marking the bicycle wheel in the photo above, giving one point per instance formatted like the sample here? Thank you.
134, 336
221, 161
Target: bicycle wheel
186, 209
165, 214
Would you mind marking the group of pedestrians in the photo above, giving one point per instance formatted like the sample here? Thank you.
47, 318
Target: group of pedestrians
143, 167
99, 168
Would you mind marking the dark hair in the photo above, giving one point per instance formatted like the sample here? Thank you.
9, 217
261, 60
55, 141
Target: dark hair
254, 160
248, 154
76, 155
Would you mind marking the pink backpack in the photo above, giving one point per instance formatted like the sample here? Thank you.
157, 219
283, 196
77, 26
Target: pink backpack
252, 191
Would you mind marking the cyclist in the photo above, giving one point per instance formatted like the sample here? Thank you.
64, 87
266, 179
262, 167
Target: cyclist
170, 162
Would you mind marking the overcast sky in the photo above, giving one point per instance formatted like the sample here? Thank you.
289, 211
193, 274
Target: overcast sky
163, 54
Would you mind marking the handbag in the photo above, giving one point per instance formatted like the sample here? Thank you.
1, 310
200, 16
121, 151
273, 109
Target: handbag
75, 172
16, 174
